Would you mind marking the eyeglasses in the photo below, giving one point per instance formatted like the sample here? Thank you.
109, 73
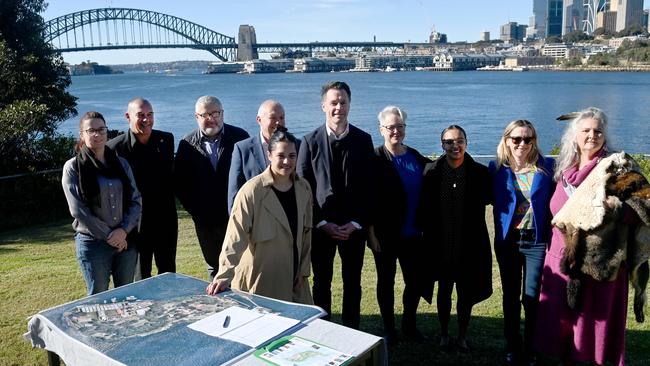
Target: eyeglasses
215, 114
399, 127
96, 131
456, 141
518, 139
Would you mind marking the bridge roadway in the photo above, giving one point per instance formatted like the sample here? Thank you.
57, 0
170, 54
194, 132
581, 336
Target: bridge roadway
124, 28
259, 47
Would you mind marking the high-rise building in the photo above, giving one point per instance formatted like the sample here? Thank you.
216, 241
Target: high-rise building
437, 37
554, 18
594, 15
606, 19
538, 20
629, 13
646, 18
485, 36
521, 31
573, 16
513, 32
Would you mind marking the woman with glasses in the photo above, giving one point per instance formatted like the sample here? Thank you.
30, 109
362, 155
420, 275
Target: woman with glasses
522, 184
394, 236
455, 191
105, 204
600, 202
267, 249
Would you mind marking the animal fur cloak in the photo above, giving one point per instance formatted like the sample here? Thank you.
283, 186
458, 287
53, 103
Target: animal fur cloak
596, 239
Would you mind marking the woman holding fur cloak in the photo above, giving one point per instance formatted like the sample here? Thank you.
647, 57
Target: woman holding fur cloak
600, 206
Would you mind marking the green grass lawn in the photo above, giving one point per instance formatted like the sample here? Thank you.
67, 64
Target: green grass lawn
38, 270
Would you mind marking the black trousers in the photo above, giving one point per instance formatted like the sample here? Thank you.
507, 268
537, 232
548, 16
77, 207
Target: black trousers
351, 251
158, 245
211, 237
406, 251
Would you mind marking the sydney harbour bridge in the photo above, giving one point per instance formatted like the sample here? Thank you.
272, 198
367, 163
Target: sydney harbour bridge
122, 28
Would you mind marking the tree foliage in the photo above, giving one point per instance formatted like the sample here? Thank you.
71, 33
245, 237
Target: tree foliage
287, 53
604, 33
632, 30
629, 53
644, 164
572, 62
33, 97
553, 39
576, 36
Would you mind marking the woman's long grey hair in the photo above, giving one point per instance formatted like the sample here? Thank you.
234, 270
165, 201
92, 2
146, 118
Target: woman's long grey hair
569, 152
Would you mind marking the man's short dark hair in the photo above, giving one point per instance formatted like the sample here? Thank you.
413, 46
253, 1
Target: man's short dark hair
340, 85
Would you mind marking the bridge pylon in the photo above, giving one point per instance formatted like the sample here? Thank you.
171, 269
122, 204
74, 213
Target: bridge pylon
246, 40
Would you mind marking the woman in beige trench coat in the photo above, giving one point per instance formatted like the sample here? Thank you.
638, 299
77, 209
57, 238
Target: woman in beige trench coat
268, 240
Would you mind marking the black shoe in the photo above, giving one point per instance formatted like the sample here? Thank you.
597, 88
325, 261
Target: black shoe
446, 345
531, 361
463, 347
511, 359
415, 335
391, 339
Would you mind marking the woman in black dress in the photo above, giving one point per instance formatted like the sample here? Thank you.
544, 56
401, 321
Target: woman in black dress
455, 192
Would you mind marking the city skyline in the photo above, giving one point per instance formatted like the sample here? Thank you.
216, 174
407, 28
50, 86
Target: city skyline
319, 20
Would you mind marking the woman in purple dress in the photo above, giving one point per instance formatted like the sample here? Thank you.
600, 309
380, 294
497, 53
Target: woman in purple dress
592, 329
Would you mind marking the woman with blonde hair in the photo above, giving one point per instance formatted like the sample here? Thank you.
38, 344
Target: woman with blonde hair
522, 183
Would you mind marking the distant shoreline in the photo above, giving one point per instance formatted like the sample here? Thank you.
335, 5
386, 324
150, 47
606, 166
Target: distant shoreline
528, 69
603, 69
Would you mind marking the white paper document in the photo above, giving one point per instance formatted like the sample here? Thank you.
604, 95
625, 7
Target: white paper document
260, 330
243, 325
215, 325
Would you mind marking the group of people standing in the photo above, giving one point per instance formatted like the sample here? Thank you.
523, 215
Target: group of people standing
269, 208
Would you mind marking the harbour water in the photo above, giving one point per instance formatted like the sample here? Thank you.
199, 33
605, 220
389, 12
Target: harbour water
482, 102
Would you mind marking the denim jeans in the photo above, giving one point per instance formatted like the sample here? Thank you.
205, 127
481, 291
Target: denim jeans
98, 261
520, 266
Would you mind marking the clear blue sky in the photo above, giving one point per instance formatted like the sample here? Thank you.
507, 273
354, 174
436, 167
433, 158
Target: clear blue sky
311, 20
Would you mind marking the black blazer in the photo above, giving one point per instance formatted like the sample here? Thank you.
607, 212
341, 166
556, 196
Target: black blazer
201, 189
153, 167
391, 197
476, 260
313, 164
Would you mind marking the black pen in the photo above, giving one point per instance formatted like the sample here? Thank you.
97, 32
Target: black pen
226, 322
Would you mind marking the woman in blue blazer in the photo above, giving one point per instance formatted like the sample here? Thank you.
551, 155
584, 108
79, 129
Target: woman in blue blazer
523, 185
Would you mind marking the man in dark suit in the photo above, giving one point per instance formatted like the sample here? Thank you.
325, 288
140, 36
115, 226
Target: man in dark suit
336, 159
249, 157
151, 156
201, 176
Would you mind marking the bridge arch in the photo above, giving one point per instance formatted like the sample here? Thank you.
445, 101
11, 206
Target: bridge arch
200, 37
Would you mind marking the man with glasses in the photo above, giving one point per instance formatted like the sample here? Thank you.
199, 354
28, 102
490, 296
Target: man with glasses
201, 176
336, 159
151, 156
